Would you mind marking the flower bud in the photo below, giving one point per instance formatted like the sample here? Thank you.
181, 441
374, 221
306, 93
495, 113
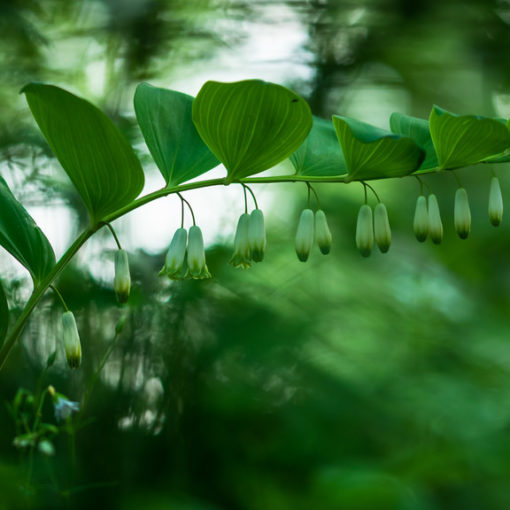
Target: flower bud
365, 231
122, 280
174, 260
462, 213
242, 253
421, 219
72, 344
382, 228
322, 232
435, 224
304, 235
197, 267
257, 235
495, 202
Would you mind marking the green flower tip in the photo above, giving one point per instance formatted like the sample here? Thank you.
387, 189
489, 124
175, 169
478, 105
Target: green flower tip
241, 257
122, 279
365, 231
435, 224
495, 203
421, 219
176, 256
197, 267
305, 235
322, 232
382, 228
257, 235
462, 213
72, 345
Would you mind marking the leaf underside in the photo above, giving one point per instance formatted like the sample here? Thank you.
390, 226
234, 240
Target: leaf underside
164, 117
373, 153
462, 140
418, 130
320, 154
21, 237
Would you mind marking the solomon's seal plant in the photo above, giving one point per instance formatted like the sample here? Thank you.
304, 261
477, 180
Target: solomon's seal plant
247, 126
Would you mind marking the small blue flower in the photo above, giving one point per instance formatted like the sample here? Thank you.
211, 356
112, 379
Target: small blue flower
64, 407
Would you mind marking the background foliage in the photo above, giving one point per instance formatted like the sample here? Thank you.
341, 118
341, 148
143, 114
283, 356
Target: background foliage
353, 383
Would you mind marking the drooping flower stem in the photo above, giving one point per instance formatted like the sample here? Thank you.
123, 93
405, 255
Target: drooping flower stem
114, 236
59, 295
189, 207
252, 194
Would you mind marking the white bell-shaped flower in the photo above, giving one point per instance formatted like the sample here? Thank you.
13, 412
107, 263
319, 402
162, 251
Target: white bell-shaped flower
462, 213
122, 279
305, 235
72, 345
495, 202
365, 230
421, 219
382, 228
435, 223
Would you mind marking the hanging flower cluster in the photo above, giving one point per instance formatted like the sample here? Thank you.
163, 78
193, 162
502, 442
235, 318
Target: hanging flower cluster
373, 226
186, 254
185, 257
250, 236
427, 217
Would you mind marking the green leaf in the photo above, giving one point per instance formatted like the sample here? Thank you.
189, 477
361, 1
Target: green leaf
418, 131
462, 140
22, 238
373, 153
91, 149
4, 314
165, 120
250, 125
319, 154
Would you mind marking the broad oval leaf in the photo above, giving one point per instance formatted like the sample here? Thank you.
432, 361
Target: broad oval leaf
22, 238
4, 314
164, 117
418, 131
91, 149
319, 154
250, 125
462, 140
373, 153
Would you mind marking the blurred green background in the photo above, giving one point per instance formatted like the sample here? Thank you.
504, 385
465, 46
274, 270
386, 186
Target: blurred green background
340, 384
